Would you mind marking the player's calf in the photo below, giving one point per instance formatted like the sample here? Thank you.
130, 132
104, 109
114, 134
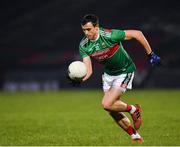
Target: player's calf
135, 111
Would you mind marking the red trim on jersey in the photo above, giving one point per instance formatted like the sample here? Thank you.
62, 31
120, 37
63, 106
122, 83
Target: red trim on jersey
106, 53
108, 30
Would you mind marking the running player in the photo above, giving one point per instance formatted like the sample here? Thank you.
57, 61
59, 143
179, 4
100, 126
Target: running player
104, 45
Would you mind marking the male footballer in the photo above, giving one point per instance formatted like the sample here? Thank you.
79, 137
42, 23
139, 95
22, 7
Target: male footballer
105, 46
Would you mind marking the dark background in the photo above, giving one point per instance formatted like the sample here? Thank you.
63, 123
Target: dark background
38, 40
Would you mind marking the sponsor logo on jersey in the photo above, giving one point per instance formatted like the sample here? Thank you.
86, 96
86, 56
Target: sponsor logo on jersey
106, 53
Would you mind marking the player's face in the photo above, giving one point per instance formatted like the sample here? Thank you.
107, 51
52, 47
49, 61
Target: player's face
90, 31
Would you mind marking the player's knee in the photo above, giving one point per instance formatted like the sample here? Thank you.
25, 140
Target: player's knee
106, 105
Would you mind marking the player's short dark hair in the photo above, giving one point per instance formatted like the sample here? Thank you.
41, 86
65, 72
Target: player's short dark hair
90, 18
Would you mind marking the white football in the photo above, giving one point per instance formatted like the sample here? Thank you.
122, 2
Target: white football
77, 70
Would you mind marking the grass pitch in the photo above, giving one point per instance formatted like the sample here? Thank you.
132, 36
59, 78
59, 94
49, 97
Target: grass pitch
76, 118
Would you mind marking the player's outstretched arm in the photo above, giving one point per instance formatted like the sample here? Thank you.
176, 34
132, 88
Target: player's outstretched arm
139, 36
87, 62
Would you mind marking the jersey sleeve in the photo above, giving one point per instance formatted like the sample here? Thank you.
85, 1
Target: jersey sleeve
82, 52
117, 35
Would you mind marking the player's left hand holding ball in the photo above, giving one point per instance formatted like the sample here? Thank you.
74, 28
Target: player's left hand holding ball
74, 83
76, 72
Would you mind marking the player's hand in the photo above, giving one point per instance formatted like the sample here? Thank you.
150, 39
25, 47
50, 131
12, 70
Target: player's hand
74, 83
154, 59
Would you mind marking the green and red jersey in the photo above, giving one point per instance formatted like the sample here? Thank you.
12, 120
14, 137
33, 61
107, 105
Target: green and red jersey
108, 50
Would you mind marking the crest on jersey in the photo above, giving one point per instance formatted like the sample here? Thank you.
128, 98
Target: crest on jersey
103, 45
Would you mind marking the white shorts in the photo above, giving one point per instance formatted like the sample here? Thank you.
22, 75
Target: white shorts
121, 82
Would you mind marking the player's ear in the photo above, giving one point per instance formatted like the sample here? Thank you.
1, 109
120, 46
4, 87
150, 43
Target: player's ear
97, 26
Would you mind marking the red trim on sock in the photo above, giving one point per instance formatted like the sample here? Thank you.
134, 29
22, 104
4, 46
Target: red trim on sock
128, 108
130, 130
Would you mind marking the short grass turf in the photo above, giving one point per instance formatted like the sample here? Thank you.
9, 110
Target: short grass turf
76, 118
